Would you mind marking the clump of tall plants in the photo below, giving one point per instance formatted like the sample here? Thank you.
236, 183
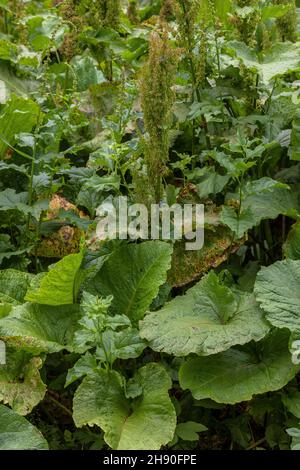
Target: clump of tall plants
157, 97
287, 24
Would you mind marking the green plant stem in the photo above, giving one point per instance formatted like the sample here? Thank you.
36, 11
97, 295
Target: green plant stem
256, 444
240, 205
269, 100
256, 91
30, 187
60, 405
37, 238
107, 359
23, 154
30, 183
218, 55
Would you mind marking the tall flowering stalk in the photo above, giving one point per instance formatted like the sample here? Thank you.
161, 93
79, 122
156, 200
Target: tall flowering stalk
191, 14
246, 21
287, 24
157, 98
186, 13
109, 12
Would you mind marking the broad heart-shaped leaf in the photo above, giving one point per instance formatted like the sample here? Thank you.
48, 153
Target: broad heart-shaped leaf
277, 288
16, 433
282, 58
261, 199
61, 284
18, 115
146, 423
291, 248
208, 319
133, 274
20, 383
239, 373
41, 327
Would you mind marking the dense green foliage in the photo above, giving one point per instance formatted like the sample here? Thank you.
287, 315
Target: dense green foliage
134, 344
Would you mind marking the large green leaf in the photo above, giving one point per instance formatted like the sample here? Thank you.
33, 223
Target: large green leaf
238, 374
295, 434
280, 59
16, 433
14, 84
277, 288
41, 327
45, 30
274, 11
18, 115
147, 423
208, 319
291, 400
294, 149
267, 198
11, 200
20, 383
210, 182
86, 72
133, 275
291, 247
261, 199
61, 284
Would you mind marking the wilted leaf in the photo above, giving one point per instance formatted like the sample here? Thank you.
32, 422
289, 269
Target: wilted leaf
188, 266
20, 383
